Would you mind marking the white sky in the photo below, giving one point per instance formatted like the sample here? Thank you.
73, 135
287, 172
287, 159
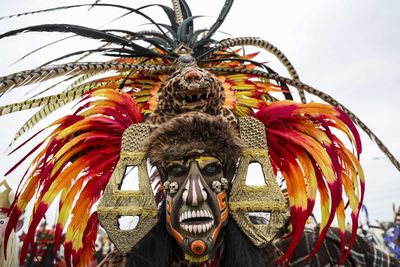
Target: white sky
348, 49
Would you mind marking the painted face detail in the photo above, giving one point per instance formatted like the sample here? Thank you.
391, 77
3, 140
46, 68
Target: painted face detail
195, 212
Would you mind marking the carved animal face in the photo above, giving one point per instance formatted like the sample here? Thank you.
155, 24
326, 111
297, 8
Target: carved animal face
191, 89
196, 210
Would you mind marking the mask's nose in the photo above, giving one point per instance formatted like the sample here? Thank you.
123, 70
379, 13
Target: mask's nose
192, 75
194, 193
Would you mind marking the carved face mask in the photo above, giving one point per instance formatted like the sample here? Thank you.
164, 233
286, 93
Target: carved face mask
196, 204
196, 154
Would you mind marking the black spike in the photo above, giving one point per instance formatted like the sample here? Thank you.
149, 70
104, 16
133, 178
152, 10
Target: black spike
187, 13
132, 10
222, 15
41, 11
64, 38
86, 51
95, 3
161, 39
79, 30
168, 11
183, 33
169, 29
153, 34
195, 35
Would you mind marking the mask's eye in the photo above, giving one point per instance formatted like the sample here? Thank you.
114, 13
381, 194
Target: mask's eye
177, 170
212, 169
1, 222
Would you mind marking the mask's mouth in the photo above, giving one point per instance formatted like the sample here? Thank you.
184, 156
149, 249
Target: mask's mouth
193, 99
196, 221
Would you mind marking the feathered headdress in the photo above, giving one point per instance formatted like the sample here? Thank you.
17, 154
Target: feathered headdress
76, 159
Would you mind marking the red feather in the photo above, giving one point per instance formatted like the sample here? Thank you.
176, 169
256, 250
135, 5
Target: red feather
86, 146
300, 138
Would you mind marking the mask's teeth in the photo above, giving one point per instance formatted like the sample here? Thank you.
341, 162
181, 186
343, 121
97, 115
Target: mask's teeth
197, 228
202, 214
209, 214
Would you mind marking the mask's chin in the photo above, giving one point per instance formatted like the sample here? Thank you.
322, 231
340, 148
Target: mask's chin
197, 225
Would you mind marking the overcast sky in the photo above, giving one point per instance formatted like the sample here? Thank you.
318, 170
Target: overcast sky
347, 48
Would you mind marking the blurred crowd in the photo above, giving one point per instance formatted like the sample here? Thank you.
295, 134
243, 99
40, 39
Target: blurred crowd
382, 235
41, 253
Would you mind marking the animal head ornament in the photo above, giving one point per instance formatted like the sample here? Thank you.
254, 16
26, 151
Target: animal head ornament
153, 77
191, 89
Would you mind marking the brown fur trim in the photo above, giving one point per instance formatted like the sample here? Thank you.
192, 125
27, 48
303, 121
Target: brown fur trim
193, 133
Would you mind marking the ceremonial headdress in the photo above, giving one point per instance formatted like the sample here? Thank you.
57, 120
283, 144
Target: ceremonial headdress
154, 76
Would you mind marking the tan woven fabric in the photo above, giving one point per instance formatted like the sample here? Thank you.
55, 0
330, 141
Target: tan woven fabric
116, 202
261, 198
5, 194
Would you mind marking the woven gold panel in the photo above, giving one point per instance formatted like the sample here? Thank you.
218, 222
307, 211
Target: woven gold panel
116, 202
261, 198
5, 194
